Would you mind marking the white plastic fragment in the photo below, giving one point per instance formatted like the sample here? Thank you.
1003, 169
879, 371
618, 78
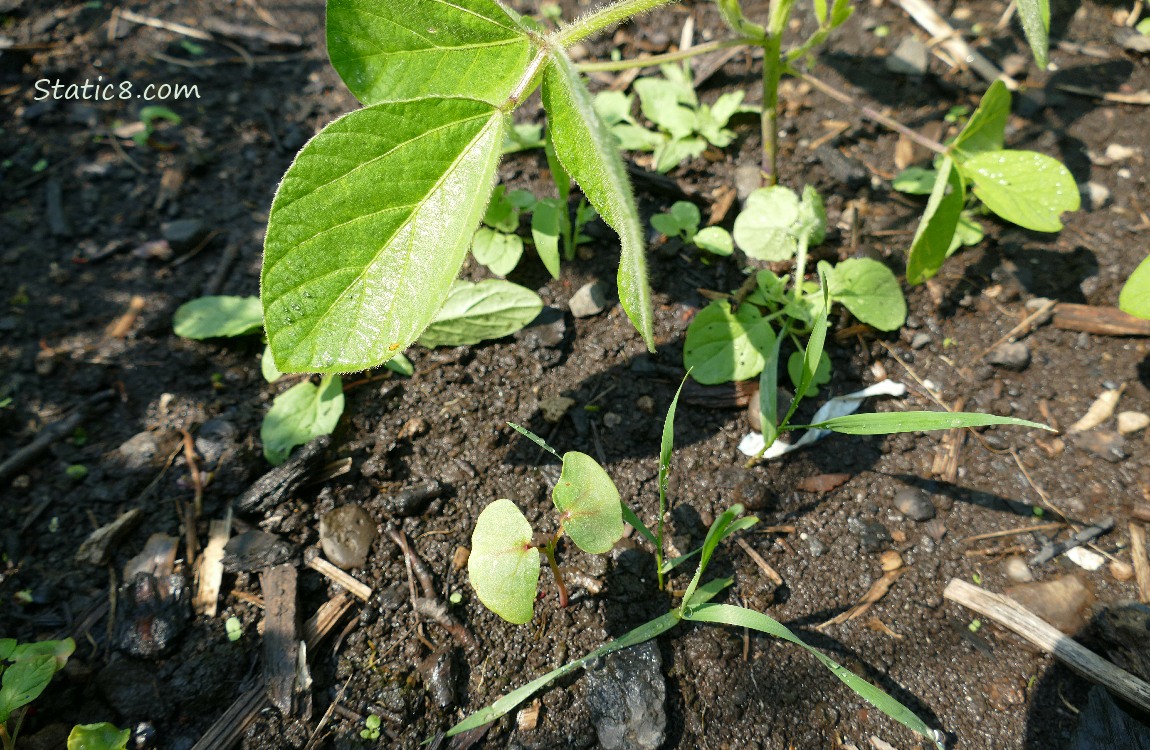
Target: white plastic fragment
839, 406
1084, 558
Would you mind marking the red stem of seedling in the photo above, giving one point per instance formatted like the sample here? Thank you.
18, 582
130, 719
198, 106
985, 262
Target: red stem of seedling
549, 550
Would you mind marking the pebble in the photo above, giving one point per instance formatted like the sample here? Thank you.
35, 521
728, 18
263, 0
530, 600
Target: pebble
1118, 152
146, 449
1095, 195
591, 299
346, 534
440, 673
626, 696
873, 536
547, 331
1121, 571
255, 550
1011, 355
1061, 601
413, 501
920, 341
1016, 569
214, 439
909, 58
1107, 445
890, 560
555, 408
646, 404
183, 234
1130, 422
816, 546
914, 504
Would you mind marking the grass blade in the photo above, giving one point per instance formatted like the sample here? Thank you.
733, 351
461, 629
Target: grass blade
535, 439
724, 526
913, 421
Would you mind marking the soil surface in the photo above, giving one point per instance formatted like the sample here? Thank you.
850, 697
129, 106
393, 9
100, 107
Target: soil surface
85, 206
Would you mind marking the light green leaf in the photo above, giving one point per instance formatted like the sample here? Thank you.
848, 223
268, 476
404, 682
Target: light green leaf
522, 137
501, 213
102, 736
1135, 296
666, 224
722, 527
23, 682
637, 138
936, 227
812, 220
488, 310
715, 240
212, 317
968, 232
400, 365
587, 150
1035, 17
504, 566
497, 250
915, 181
722, 346
687, 216
987, 126
764, 229
395, 51
299, 414
357, 260
268, 366
741, 617
1024, 187
913, 421
588, 503
630, 517
822, 374
614, 107
815, 343
58, 650
671, 153
546, 227
769, 393
840, 12
870, 291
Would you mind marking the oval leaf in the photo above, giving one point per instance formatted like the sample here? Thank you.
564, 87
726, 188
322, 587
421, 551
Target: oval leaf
503, 567
587, 150
723, 346
588, 504
987, 126
870, 291
472, 313
212, 317
1135, 296
369, 228
102, 736
1024, 187
499, 251
714, 240
936, 229
299, 414
391, 51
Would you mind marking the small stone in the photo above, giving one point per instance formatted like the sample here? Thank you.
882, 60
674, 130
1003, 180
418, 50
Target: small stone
555, 408
748, 179
935, 528
215, 439
646, 404
873, 536
146, 450
346, 534
611, 420
1016, 569
890, 560
911, 58
626, 696
1005, 695
1118, 152
920, 341
1011, 355
460, 558
413, 501
547, 331
255, 550
914, 504
1121, 571
816, 546
591, 299
1061, 601
440, 673
413, 427
1095, 195
1130, 422
1107, 445
183, 234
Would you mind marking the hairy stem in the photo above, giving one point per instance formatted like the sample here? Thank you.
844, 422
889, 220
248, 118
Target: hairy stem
653, 60
603, 18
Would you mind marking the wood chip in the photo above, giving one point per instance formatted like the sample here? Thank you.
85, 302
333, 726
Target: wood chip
123, 324
158, 557
823, 482
528, 718
1105, 321
764, 566
1101, 410
211, 571
1140, 97
97, 548
281, 637
1141, 564
876, 592
358, 589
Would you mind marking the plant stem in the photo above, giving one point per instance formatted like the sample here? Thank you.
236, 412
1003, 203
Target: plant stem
647, 62
873, 114
549, 550
772, 72
526, 81
601, 19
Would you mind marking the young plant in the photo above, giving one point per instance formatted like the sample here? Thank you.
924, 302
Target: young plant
25, 671
102, 736
1135, 296
497, 246
682, 221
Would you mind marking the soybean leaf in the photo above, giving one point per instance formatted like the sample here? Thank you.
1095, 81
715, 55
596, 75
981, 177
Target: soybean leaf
987, 126
714, 240
912, 421
722, 346
968, 232
1024, 187
588, 503
396, 51
212, 317
764, 229
472, 313
915, 181
614, 107
687, 216
870, 291
507, 703
102, 736
499, 251
369, 228
722, 527
504, 566
23, 682
587, 151
1035, 17
795, 371
268, 366
936, 227
1135, 295
400, 365
726, 614
299, 414
546, 228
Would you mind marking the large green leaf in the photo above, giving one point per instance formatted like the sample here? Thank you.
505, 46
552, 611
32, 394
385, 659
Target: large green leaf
299, 414
870, 291
102, 736
987, 126
504, 566
937, 226
1035, 16
586, 148
211, 317
1024, 187
1135, 296
912, 421
23, 682
588, 504
389, 51
472, 313
723, 346
369, 228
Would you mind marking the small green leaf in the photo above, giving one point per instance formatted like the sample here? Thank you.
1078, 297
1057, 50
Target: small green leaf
822, 374
102, 736
268, 366
546, 228
673, 152
7, 646
870, 291
764, 229
588, 503
497, 250
1135, 296
488, 310
1024, 187
587, 150
912, 421
58, 650
212, 317
501, 211
614, 107
769, 393
987, 127
504, 567
687, 216
522, 137
1035, 17
968, 232
937, 226
815, 343
234, 629
23, 682
666, 224
915, 181
299, 414
722, 346
715, 240
400, 365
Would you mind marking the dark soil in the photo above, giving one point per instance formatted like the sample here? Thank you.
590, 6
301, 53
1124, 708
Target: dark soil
80, 206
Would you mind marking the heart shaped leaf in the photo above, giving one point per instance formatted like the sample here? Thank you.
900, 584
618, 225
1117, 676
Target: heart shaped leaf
504, 567
870, 291
588, 504
722, 346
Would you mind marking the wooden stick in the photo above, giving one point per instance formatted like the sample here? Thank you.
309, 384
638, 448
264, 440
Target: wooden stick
1141, 564
926, 17
359, 590
211, 570
768, 571
1030, 626
156, 23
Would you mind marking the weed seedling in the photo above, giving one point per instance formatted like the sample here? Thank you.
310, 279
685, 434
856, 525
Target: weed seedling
25, 671
371, 730
682, 221
102, 736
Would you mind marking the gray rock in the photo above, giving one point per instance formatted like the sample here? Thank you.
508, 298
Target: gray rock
215, 439
816, 546
909, 58
440, 673
1011, 355
1107, 445
255, 550
183, 234
626, 696
146, 450
412, 501
920, 341
914, 504
873, 536
346, 534
591, 299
